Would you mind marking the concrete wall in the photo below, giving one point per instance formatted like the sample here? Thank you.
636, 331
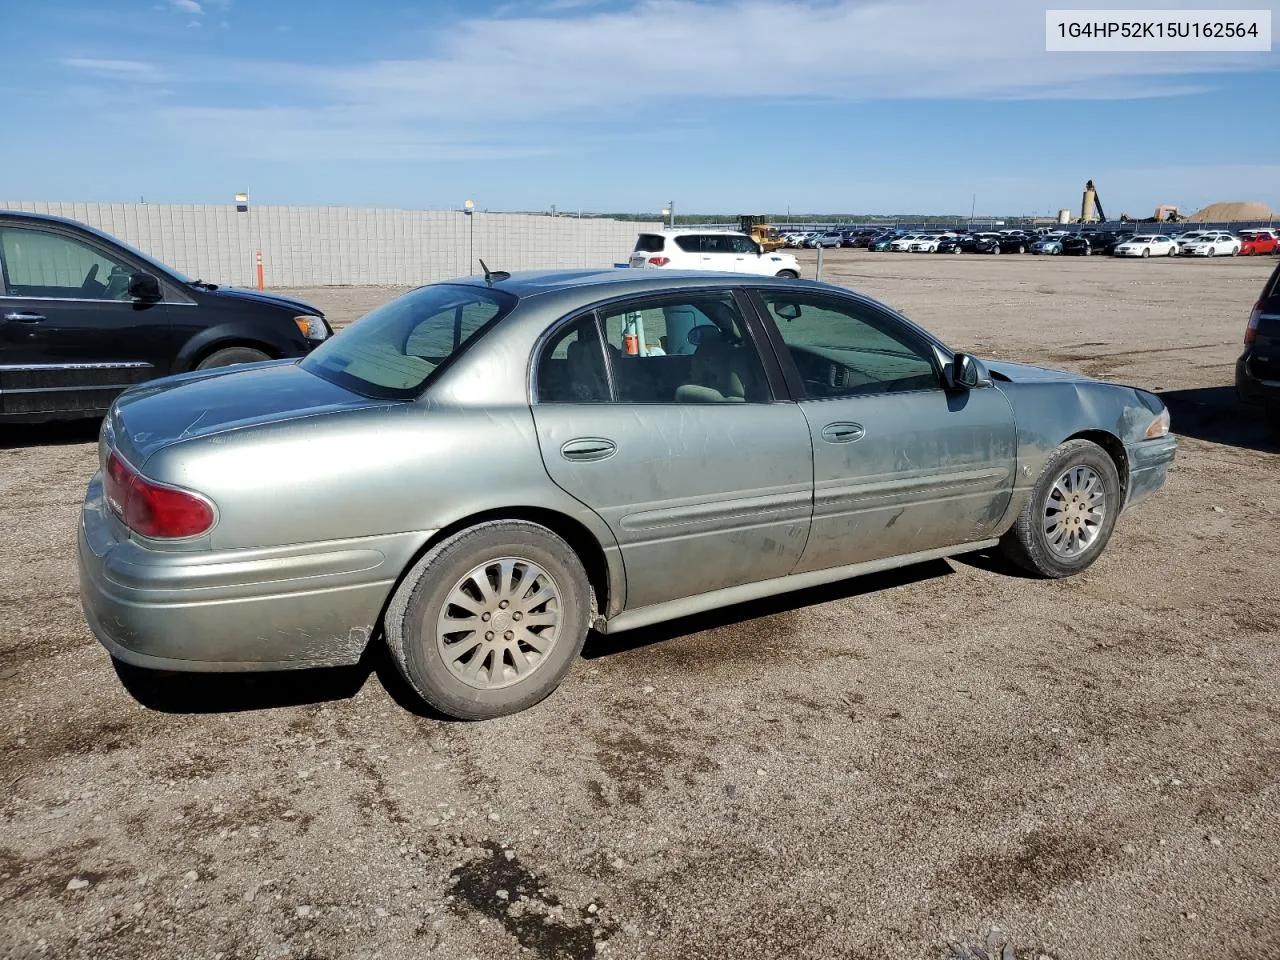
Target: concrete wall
326, 246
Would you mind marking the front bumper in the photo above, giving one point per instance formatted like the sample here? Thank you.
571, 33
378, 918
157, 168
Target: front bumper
297, 606
1149, 466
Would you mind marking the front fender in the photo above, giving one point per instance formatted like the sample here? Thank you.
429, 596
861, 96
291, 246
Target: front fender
272, 339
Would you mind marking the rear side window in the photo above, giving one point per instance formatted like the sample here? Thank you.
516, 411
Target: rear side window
1272, 290
649, 243
389, 353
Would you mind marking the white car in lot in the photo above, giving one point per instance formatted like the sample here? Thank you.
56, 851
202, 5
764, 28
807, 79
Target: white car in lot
723, 251
903, 244
1213, 245
1191, 236
927, 244
1146, 245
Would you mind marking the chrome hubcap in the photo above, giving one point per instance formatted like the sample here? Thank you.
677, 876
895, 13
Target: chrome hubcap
1074, 511
499, 623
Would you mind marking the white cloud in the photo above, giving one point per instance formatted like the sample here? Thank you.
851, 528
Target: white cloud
575, 63
187, 6
116, 69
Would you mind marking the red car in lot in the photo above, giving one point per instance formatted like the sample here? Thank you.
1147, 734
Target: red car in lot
1258, 241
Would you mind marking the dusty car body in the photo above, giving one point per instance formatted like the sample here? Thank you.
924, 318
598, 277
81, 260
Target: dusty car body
564, 466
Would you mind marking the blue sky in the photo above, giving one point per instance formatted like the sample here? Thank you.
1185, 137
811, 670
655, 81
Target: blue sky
612, 105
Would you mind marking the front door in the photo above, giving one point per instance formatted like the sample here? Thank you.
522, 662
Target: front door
900, 464
658, 414
70, 336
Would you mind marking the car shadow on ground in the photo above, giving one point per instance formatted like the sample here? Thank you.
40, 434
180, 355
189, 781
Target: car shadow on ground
604, 645
59, 432
1216, 414
168, 692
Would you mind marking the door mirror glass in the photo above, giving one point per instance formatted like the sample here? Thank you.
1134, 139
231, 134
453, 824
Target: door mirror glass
967, 372
145, 287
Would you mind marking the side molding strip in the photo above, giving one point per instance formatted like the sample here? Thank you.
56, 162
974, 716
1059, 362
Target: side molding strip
686, 606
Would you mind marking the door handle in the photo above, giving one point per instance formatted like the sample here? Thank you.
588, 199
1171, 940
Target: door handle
18, 317
843, 432
588, 448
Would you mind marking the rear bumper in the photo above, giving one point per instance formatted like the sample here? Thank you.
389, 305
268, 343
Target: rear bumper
1149, 467
304, 605
1254, 390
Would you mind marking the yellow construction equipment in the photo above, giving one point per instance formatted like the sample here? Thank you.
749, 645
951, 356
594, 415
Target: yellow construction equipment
761, 233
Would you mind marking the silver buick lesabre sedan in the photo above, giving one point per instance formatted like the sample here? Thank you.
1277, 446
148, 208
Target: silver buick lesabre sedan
482, 471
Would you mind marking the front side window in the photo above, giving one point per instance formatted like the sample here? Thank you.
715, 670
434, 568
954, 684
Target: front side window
847, 349
389, 353
694, 348
52, 266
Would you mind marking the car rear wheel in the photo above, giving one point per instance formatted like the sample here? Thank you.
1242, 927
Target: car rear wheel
1068, 518
231, 355
788, 275
490, 620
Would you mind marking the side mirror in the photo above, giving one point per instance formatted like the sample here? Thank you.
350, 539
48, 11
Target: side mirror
144, 287
786, 311
969, 373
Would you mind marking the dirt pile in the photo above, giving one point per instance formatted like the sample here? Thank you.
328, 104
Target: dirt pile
1234, 211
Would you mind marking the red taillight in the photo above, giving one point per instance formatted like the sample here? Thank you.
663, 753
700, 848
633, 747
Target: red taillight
1251, 331
659, 261
150, 509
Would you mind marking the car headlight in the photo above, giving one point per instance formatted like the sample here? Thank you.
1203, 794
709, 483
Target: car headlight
312, 327
1159, 426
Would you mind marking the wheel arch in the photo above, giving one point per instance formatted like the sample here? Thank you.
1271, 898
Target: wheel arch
607, 584
1114, 447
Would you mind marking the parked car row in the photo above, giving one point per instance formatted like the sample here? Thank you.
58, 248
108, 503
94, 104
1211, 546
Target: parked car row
1194, 243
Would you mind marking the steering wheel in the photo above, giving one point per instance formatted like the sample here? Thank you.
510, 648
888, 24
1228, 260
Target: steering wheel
89, 277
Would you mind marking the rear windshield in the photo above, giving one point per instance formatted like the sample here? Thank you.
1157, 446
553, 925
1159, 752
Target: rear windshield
389, 353
649, 243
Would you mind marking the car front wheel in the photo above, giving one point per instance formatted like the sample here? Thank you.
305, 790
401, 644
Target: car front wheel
1146, 253
1068, 518
231, 355
490, 620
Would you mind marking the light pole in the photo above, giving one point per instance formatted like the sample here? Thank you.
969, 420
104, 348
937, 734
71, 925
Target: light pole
469, 208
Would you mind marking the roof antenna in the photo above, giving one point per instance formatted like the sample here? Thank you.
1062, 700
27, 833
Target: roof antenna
490, 276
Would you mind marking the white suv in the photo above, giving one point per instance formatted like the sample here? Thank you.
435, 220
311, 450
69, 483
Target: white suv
719, 250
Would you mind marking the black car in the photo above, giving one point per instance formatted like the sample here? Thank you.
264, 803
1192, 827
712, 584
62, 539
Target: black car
1003, 243
83, 316
1092, 244
952, 244
1258, 369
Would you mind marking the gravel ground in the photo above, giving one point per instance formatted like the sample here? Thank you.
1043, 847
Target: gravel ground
913, 765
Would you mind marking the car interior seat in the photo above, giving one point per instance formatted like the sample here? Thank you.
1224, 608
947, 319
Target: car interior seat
719, 371
588, 379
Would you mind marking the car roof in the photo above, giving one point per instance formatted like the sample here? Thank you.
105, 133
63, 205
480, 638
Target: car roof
620, 281
668, 232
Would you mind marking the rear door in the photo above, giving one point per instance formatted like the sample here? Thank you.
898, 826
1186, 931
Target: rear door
900, 464
660, 415
1263, 358
71, 338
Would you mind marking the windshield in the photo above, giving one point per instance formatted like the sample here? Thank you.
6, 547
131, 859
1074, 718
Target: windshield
389, 353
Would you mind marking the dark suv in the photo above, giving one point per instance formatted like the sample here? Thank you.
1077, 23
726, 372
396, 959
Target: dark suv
83, 316
1258, 369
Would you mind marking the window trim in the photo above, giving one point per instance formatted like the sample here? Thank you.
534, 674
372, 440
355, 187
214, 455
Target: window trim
168, 285
756, 333
540, 350
931, 345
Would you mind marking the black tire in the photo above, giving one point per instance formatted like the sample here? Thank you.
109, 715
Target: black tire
1146, 253
1088, 251
1021, 248
230, 355
996, 251
1026, 543
410, 621
787, 275
955, 249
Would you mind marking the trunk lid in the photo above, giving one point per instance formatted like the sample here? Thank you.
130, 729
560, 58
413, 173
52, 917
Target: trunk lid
174, 409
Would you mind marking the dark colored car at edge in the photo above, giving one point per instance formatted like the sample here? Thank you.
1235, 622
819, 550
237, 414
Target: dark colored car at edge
84, 316
1258, 369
